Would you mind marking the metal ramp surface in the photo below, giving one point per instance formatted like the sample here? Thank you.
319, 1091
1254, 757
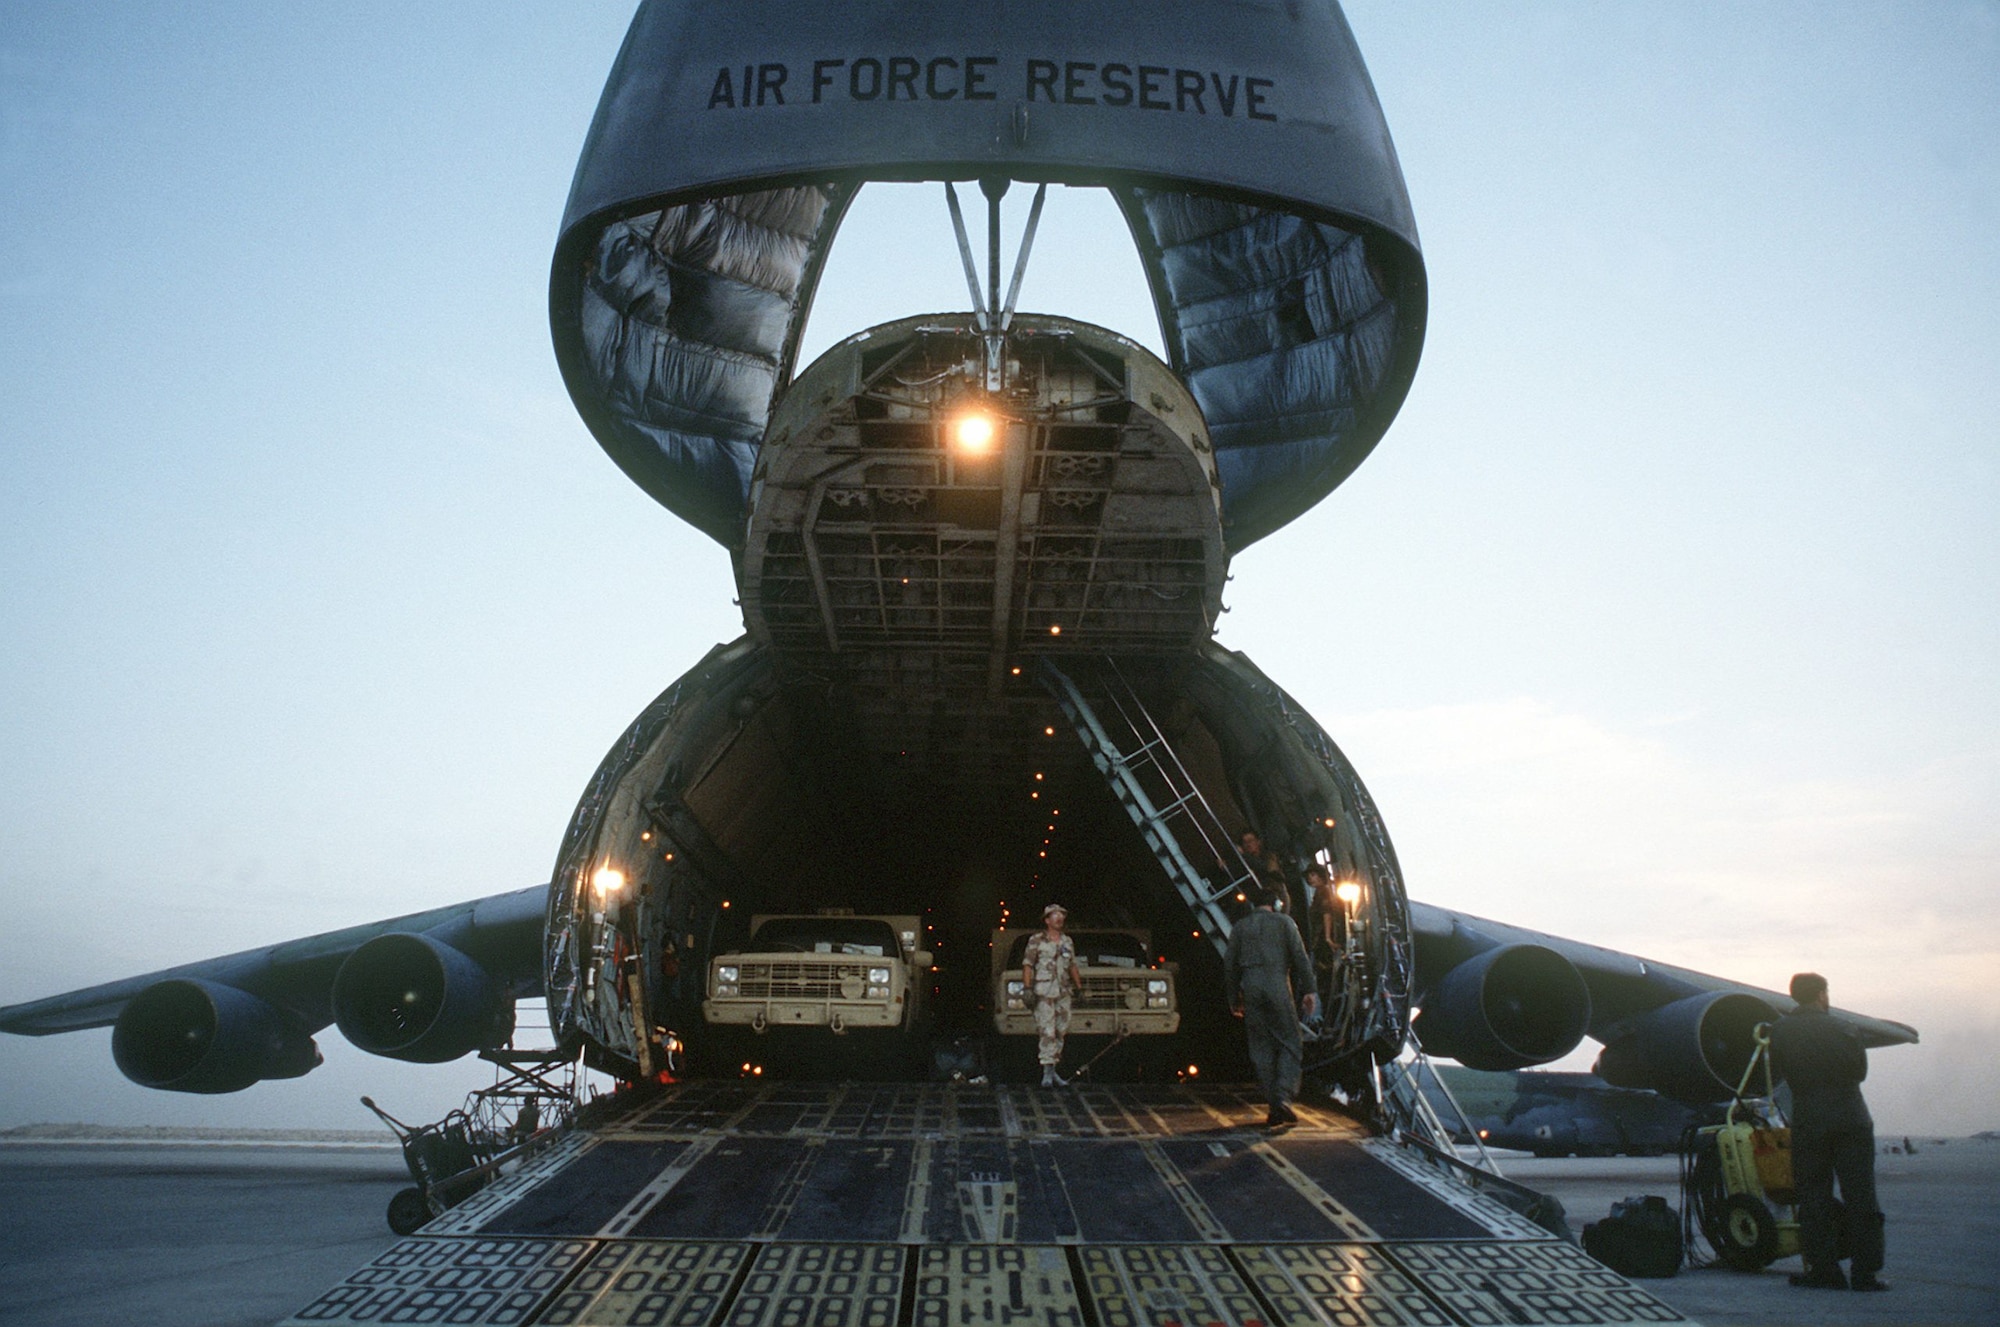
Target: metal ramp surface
729, 1204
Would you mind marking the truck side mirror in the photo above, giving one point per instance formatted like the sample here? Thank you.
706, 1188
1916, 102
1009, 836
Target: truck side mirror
921, 958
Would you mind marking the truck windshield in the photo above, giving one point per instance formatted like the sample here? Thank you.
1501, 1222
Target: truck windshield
864, 937
1094, 949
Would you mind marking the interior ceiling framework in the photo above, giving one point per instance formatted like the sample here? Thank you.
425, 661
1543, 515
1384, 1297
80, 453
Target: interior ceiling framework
917, 581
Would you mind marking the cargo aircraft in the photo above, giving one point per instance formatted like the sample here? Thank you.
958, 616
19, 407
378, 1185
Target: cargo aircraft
980, 555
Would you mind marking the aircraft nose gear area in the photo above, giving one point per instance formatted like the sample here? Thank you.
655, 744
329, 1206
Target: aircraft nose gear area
903, 1205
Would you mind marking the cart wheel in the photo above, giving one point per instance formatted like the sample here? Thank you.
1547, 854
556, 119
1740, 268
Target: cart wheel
1748, 1233
408, 1212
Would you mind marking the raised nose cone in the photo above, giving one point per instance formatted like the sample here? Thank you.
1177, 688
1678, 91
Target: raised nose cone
1243, 142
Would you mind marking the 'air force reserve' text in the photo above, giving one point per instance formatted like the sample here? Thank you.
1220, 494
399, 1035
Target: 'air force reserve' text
982, 78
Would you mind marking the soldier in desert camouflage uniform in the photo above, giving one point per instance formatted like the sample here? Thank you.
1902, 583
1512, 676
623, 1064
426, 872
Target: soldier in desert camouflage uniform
1049, 973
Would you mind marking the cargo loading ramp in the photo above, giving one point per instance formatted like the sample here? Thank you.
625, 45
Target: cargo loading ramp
748, 1204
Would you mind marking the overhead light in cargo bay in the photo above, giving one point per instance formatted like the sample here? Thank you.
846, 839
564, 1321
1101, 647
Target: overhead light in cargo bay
973, 433
1348, 892
607, 881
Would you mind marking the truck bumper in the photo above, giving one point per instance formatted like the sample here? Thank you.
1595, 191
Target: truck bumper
1088, 1022
835, 1015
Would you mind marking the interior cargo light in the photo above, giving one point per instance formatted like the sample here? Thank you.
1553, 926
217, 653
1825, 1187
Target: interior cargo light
1055, 629
607, 880
1016, 670
973, 433
1328, 822
1348, 892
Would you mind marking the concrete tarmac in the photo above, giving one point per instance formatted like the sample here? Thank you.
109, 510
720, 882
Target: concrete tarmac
1943, 1238
209, 1236
184, 1236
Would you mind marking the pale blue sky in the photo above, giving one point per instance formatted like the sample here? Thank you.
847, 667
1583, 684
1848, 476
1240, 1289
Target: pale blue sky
1663, 617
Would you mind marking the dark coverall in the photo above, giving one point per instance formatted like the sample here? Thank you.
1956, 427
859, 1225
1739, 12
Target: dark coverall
1832, 1135
1264, 965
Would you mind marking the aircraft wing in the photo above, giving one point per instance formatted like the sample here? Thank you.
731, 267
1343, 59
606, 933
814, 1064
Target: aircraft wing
427, 986
1496, 996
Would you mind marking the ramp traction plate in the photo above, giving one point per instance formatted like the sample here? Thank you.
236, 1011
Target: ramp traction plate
802, 1205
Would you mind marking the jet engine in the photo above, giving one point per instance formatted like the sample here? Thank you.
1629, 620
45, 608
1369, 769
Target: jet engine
413, 997
1693, 1050
201, 1036
1506, 1008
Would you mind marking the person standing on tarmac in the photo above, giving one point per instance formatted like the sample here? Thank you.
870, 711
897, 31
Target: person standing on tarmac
1832, 1136
1264, 969
1050, 974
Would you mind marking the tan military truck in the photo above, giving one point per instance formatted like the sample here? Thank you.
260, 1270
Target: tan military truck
835, 971
1124, 990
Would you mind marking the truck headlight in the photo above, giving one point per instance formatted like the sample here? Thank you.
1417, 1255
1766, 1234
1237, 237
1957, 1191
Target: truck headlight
725, 974
1156, 986
878, 976
725, 989
1014, 987
1157, 1002
878, 992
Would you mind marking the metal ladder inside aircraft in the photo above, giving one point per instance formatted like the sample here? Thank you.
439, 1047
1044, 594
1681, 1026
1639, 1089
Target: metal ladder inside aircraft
1157, 791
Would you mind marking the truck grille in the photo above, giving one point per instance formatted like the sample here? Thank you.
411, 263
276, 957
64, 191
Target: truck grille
1102, 993
796, 981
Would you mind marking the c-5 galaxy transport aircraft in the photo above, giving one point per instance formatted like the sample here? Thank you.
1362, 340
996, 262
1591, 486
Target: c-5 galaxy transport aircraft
980, 557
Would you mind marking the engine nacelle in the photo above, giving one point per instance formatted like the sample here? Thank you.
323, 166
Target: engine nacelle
412, 997
200, 1036
1506, 1008
1693, 1050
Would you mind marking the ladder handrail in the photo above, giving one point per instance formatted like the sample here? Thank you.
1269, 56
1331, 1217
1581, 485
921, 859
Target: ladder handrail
1117, 765
1127, 702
